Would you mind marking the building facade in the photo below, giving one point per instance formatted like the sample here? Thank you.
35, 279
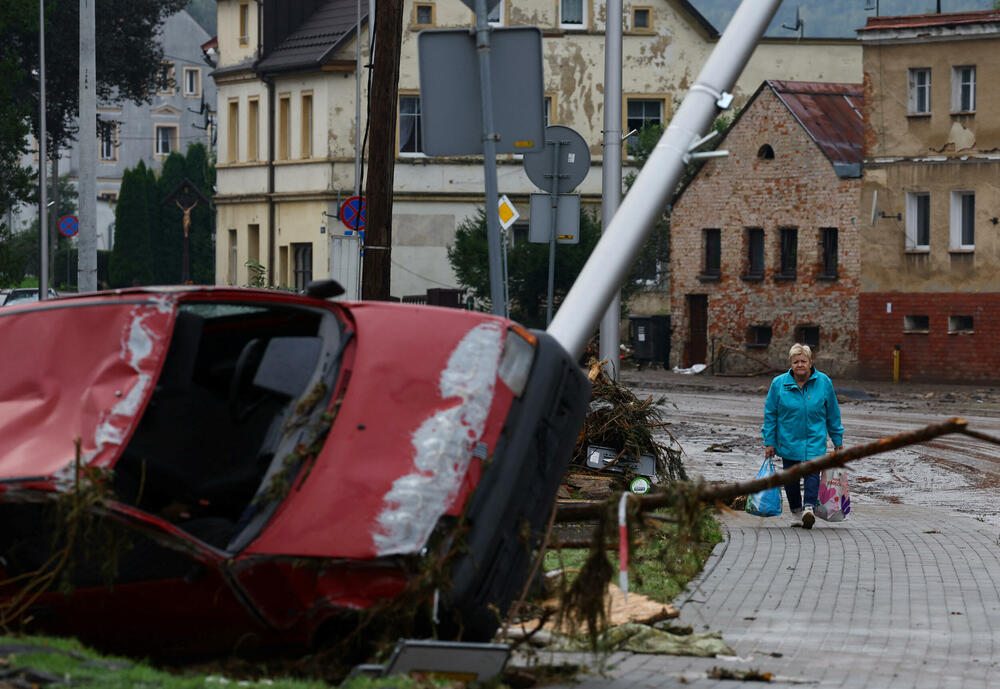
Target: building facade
173, 119
930, 281
764, 242
278, 202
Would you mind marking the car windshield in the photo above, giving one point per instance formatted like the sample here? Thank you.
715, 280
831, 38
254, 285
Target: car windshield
215, 423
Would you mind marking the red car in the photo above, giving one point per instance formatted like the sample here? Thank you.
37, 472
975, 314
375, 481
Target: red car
274, 462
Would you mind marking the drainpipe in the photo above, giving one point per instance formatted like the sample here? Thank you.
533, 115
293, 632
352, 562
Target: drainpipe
269, 82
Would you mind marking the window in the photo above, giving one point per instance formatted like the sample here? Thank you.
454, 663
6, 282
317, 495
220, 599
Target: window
713, 253
423, 14
920, 92
283, 266
916, 324
789, 253
572, 14
109, 141
192, 82
409, 126
253, 128
963, 213
548, 111
828, 248
759, 336
963, 89
754, 237
960, 325
808, 335
233, 257
641, 113
244, 23
169, 75
305, 145
302, 254
284, 126
642, 19
765, 152
918, 221
166, 138
233, 132
495, 16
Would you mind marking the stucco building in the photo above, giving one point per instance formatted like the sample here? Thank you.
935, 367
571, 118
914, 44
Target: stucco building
293, 64
764, 242
930, 279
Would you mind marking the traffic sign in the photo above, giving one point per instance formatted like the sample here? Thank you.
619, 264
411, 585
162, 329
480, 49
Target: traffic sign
570, 166
508, 214
354, 213
69, 225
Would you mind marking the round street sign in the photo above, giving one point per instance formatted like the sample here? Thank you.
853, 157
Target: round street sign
574, 160
354, 212
69, 226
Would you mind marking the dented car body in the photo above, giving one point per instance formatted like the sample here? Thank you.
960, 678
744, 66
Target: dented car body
271, 463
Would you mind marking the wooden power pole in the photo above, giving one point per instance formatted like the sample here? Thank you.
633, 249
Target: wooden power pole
381, 150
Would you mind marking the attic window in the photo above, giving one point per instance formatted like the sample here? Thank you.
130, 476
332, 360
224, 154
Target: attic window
765, 152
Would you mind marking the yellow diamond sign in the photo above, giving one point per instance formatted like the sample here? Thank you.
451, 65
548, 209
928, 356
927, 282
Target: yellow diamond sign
508, 214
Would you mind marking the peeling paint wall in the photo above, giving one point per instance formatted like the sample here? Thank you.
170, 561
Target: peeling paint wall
796, 189
912, 295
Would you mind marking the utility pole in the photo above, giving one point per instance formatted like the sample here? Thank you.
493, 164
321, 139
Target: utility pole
611, 169
87, 142
43, 209
381, 150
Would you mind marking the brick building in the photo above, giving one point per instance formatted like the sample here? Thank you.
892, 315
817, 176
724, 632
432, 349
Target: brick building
930, 281
764, 245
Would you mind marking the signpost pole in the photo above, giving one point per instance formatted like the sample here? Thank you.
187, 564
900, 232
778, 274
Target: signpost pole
489, 159
552, 235
43, 209
611, 169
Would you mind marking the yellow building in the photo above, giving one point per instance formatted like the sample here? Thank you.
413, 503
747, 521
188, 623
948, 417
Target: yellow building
293, 65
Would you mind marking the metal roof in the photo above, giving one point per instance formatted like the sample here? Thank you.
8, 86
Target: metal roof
310, 45
831, 115
914, 21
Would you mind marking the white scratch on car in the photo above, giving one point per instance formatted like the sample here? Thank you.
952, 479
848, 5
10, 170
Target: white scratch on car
443, 444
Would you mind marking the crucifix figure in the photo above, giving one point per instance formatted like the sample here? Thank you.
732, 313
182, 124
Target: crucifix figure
187, 197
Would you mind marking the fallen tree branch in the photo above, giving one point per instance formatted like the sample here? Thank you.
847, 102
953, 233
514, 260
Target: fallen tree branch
726, 492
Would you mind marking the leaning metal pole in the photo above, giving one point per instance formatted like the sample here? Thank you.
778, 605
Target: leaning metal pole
611, 172
43, 200
614, 254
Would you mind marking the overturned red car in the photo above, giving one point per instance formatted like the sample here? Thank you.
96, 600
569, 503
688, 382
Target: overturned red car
272, 463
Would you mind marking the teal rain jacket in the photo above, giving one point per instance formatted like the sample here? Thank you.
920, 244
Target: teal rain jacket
797, 421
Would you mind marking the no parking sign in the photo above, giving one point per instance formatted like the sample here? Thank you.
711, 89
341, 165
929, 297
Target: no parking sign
69, 225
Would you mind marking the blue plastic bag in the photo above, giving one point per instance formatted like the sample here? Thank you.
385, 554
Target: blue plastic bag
766, 503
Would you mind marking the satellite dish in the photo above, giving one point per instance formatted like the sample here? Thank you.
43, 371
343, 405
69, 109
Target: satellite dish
874, 207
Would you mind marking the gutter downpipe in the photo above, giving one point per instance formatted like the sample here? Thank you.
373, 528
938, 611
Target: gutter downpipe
269, 83
621, 241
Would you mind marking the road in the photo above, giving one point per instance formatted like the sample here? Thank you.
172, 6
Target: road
956, 472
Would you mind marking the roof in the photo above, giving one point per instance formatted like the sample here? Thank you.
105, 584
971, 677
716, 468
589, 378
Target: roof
308, 46
831, 115
700, 19
913, 21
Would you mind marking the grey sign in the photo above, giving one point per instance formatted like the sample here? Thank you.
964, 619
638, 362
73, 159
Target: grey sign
490, 4
572, 162
451, 121
567, 219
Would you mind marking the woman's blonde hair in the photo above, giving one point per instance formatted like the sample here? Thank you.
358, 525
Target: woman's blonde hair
797, 349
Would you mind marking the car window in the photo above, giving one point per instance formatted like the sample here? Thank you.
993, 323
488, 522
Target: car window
215, 422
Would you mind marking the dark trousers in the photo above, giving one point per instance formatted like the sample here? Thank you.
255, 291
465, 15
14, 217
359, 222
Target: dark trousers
793, 490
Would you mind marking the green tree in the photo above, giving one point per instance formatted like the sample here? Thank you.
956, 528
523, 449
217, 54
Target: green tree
132, 256
200, 170
528, 266
14, 257
129, 61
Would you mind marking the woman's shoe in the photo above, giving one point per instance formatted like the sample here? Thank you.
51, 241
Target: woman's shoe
808, 518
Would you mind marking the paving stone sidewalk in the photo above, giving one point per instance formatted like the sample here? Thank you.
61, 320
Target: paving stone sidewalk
897, 596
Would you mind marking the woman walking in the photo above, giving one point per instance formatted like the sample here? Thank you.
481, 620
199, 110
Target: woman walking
801, 410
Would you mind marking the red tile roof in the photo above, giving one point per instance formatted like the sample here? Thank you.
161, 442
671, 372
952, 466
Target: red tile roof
913, 21
831, 114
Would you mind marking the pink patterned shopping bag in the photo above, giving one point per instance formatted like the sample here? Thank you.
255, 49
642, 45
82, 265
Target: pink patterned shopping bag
834, 496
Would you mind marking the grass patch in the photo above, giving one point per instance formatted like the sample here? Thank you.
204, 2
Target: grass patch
661, 566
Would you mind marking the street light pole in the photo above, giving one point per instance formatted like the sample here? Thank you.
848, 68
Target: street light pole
43, 209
